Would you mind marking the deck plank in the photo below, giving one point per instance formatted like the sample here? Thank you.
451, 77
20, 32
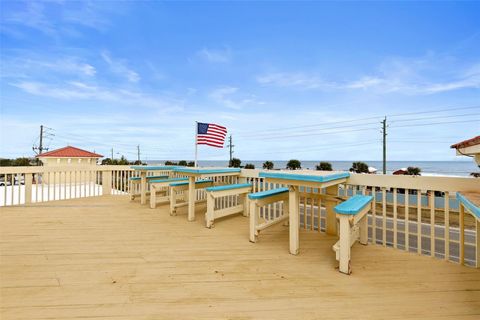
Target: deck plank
110, 258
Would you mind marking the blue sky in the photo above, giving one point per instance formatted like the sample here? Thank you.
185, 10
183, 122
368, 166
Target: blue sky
303, 80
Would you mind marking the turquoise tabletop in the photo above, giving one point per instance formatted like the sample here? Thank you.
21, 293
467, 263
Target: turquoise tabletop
153, 168
305, 177
206, 171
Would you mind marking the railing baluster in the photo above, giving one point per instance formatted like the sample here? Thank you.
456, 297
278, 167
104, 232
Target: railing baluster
432, 223
395, 213
384, 212
419, 221
447, 226
406, 219
462, 234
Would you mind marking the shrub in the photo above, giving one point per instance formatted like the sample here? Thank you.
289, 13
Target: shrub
249, 166
294, 164
324, 166
359, 167
234, 163
182, 163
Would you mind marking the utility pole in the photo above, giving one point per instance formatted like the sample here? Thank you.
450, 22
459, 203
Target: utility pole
230, 146
384, 133
138, 153
112, 153
44, 133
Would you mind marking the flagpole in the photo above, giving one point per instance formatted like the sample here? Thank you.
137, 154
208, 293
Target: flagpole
196, 145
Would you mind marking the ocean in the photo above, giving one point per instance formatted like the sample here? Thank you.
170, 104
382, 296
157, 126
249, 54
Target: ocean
429, 168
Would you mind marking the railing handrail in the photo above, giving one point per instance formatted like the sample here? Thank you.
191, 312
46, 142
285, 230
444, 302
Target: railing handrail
436, 183
41, 169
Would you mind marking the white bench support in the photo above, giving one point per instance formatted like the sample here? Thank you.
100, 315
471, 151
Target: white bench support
255, 204
182, 192
213, 213
352, 228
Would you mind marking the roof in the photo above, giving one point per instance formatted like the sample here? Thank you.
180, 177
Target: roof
69, 152
466, 143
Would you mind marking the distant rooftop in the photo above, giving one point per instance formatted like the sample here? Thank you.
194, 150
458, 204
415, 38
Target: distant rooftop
466, 143
70, 152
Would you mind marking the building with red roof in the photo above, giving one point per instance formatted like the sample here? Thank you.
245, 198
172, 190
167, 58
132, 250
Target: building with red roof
69, 156
470, 147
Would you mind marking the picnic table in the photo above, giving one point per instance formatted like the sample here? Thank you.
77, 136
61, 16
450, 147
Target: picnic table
202, 173
307, 179
143, 178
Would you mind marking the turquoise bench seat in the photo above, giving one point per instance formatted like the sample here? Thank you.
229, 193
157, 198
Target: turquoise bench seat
149, 177
353, 205
229, 187
167, 180
266, 194
469, 205
185, 183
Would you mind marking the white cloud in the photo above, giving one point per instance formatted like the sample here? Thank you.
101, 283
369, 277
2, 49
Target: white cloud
297, 80
215, 55
75, 90
56, 18
412, 77
227, 96
120, 67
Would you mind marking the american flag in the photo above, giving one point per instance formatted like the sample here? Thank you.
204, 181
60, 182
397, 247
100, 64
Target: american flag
211, 134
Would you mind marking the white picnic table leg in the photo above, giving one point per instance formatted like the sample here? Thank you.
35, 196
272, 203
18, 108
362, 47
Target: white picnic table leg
344, 265
191, 198
293, 219
153, 197
143, 187
173, 201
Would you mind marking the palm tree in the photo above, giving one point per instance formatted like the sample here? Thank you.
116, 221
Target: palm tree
268, 165
324, 166
294, 164
413, 171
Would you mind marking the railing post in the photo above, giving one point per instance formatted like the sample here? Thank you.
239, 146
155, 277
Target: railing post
331, 219
28, 188
106, 182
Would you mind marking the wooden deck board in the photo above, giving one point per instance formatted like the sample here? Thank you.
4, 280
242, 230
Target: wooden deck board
109, 258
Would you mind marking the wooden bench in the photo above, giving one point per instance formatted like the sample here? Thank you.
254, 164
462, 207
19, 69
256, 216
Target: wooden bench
352, 215
182, 186
135, 183
161, 185
239, 189
261, 199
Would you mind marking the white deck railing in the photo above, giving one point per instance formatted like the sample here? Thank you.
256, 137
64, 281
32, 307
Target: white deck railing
426, 221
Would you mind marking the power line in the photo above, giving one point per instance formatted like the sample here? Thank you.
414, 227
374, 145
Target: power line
316, 134
436, 117
358, 119
432, 111
312, 130
435, 123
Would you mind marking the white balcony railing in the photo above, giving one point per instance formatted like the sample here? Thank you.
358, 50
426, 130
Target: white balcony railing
415, 214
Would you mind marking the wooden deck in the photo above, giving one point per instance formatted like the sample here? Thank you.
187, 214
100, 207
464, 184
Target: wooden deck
109, 258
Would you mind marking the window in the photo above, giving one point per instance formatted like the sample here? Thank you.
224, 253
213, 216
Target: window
58, 160
79, 160
69, 160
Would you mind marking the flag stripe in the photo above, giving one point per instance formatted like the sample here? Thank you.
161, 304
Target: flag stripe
211, 134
